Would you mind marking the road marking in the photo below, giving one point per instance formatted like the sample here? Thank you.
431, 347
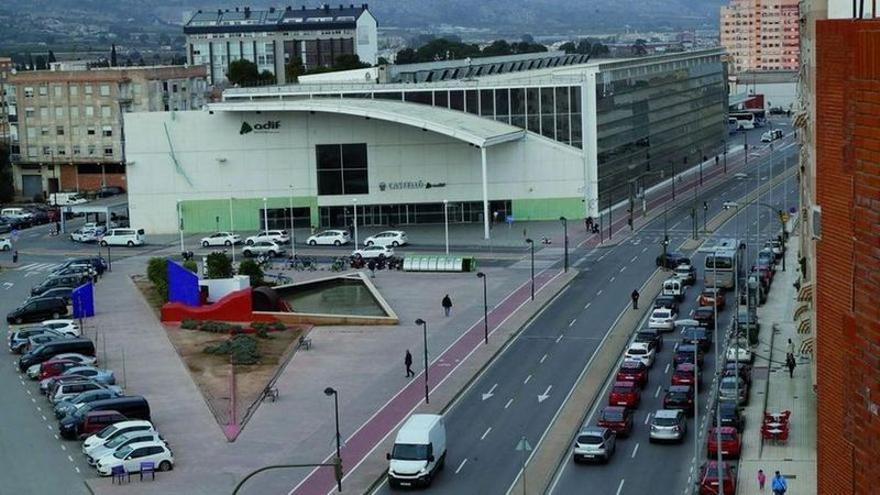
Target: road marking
599, 293
527, 379
70, 458
44, 417
39, 409
622, 269
7, 285
56, 436
545, 395
28, 392
612, 279
491, 392
63, 447
635, 450
587, 306
634, 258
49, 427
77, 469
659, 388
559, 338
647, 418
461, 465
644, 249
509, 402
33, 400
667, 368
486, 433
572, 322
543, 358
620, 486
29, 265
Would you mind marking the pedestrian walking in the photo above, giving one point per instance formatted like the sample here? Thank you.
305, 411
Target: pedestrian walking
447, 304
789, 349
789, 361
99, 268
15, 256
408, 362
372, 267
635, 298
762, 479
779, 485
588, 223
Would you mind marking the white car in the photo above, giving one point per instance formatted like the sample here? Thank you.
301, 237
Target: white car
69, 327
85, 235
221, 239
5, 244
771, 135
740, 354
112, 431
371, 252
662, 319
120, 442
391, 238
34, 371
131, 457
268, 248
329, 238
640, 351
279, 236
99, 227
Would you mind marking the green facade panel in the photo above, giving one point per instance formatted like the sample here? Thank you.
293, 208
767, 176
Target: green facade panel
547, 208
209, 215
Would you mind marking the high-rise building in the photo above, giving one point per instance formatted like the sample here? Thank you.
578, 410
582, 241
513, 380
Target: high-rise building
273, 38
5, 71
67, 126
761, 34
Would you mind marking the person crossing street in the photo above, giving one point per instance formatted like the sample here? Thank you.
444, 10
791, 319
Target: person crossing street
408, 362
447, 304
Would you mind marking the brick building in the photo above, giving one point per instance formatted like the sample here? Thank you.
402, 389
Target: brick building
761, 34
5, 71
844, 224
67, 125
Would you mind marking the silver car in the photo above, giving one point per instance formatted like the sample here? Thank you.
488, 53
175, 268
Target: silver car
266, 248
668, 425
594, 443
121, 441
727, 390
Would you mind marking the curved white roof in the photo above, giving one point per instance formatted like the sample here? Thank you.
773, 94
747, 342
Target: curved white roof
466, 127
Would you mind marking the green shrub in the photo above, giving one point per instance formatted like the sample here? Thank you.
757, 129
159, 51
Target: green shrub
191, 265
189, 324
252, 270
219, 265
277, 326
263, 334
157, 273
242, 349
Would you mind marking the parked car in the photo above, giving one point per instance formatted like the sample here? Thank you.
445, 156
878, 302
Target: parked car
92, 422
65, 293
48, 385
705, 315
68, 327
668, 425
276, 236
743, 370
687, 274
124, 237
97, 262
70, 390
329, 238
120, 442
640, 351
5, 244
775, 245
712, 474
100, 375
633, 371
673, 259
72, 281
265, 248
674, 287
38, 310
34, 371
697, 335
38, 340
625, 394
652, 336
730, 415
55, 367
107, 191
113, 431
19, 339
132, 457
731, 444
684, 374
594, 443
771, 135
374, 252
733, 388
64, 407
617, 419
680, 397
85, 271
84, 235
393, 238
662, 319
768, 256
712, 297
748, 320
133, 407
669, 302
741, 353
5, 226
221, 239
47, 351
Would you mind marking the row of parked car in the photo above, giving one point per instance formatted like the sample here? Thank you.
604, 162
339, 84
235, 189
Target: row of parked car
271, 243
25, 216
117, 434
51, 297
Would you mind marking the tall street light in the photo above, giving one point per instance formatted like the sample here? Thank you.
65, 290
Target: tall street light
232, 228
328, 392
180, 226
292, 230
446, 223
265, 214
565, 233
424, 325
485, 307
531, 244
355, 202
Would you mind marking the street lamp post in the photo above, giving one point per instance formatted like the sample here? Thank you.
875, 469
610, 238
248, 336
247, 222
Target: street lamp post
328, 392
232, 228
424, 325
446, 223
355, 202
565, 234
531, 244
672, 162
180, 226
265, 214
485, 307
665, 241
292, 230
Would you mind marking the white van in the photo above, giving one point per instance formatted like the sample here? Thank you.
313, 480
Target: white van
123, 237
66, 199
419, 451
674, 287
16, 213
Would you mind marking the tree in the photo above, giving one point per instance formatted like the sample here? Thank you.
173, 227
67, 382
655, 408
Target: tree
157, 273
348, 62
191, 265
243, 72
497, 48
527, 38
640, 47
253, 271
113, 55
382, 61
219, 265
41, 63
405, 56
568, 47
584, 47
599, 50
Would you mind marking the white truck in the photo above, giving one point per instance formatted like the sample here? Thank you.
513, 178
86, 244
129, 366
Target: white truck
419, 451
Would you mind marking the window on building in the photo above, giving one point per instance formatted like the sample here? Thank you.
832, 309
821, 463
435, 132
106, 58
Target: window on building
32, 151
74, 131
76, 150
105, 90
29, 112
107, 131
31, 133
174, 88
59, 112
105, 111
90, 111
73, 89
87, 89
59, 130
28, 92
57, 90
74, 112
44, 112
61, 151
342, 169
90, 130
44, 90
44, 131
91, 150
108, 150
47, 151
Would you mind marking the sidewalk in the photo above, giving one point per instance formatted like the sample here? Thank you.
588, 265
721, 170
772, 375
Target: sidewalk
773, 391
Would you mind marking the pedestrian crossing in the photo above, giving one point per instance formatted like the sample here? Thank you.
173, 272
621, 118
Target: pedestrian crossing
38, 267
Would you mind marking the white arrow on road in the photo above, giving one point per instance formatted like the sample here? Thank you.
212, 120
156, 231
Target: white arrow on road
545, 395
490, 393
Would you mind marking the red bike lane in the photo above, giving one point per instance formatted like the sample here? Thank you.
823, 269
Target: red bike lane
356, 448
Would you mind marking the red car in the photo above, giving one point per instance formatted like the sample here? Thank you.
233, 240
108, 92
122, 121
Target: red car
731, 445
617, 419
633, 371
54, 368
712, 296
684, 374
625, 394
709, 478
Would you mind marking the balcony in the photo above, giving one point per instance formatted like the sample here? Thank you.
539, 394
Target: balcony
15, 158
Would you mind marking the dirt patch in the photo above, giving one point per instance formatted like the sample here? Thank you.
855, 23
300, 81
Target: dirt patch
149, 292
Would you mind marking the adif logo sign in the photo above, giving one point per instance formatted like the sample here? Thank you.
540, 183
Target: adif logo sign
271, 126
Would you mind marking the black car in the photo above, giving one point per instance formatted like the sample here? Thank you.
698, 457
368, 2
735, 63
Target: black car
132, 407
652, 336
697, 335
668, 302
38, 216
107, 191
730, 415
673, 260
62, 292
38, 310
49, 350
679, 397
684, 353
705, 315
5, 226
17, 223
98, 262
73, 281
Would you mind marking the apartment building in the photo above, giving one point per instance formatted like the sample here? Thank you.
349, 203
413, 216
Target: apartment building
67, 126
5, 71
273, 37
761, 34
